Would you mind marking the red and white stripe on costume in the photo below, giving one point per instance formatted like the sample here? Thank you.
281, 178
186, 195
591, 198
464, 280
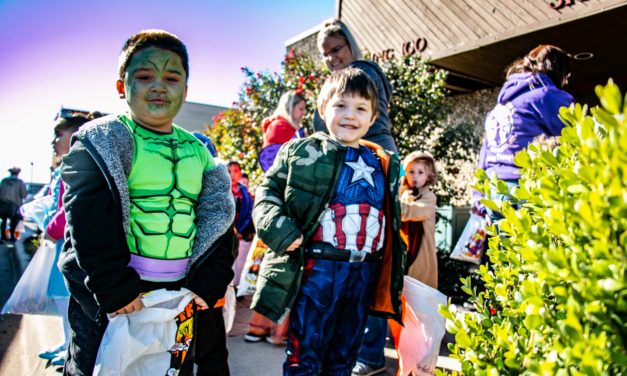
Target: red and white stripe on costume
357, 227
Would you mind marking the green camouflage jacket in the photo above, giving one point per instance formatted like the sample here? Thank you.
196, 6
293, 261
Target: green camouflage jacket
290, 201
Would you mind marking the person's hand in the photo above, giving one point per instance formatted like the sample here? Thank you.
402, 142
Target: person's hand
408, 196
295, 244
475, 210
133, 306
200, 302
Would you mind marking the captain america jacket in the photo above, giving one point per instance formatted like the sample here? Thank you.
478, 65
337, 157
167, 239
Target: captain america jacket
290, 202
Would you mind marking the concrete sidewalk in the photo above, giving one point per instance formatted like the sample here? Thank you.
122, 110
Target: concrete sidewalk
23, 336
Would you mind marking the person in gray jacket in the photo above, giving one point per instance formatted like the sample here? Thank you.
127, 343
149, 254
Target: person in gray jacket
12, 192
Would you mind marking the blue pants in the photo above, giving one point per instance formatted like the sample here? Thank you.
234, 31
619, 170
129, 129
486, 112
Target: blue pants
328, 317
371, 351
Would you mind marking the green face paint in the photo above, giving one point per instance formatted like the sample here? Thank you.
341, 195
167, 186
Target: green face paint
155, 85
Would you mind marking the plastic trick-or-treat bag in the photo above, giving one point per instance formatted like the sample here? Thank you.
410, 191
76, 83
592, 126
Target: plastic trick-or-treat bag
418, 342
248, 279
229, 308
30, 295
469, 247
152, 341
35, 212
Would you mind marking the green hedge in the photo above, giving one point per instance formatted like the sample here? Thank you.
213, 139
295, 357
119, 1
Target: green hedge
555, 297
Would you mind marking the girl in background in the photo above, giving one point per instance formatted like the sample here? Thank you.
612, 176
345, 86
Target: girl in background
244, 228
418, 206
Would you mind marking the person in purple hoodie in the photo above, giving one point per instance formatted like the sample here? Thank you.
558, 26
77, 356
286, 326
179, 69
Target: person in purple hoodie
527, 107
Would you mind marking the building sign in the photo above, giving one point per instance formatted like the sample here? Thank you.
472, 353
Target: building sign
416, 46
559, 4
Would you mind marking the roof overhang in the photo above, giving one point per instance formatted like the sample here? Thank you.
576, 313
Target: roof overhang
482, 65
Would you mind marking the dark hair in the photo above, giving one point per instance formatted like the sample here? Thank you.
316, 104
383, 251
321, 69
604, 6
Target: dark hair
152, 38
94, 115
234, 163
71, 123
349, 81
547, 59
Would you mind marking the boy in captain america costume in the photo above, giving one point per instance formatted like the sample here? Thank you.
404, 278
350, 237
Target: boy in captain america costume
147, 208
328, 211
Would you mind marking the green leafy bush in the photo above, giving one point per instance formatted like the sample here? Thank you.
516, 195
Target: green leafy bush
237, 131
417, 112
555, 297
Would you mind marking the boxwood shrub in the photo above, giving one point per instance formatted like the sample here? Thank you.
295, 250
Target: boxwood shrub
555, 293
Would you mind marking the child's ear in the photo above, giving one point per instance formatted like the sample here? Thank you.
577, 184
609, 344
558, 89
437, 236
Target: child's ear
373, 118
119, 85
185, 94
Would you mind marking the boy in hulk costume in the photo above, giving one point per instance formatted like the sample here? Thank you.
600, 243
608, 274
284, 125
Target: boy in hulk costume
147, 208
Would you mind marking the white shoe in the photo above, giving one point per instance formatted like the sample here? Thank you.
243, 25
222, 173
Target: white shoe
59, 360
362, 369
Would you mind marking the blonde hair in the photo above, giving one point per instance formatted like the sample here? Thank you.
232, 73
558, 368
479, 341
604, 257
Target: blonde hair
425, 158
338, 29
289, 100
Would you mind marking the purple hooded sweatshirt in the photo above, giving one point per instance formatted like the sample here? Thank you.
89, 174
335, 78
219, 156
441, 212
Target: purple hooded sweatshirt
527, 106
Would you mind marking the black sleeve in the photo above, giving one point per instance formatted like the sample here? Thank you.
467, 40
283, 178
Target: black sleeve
23, 191
94, 220
212, 273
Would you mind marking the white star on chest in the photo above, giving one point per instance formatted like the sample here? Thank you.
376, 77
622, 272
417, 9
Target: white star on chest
361, 171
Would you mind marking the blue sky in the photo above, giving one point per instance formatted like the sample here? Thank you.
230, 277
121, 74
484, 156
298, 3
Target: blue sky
64, 53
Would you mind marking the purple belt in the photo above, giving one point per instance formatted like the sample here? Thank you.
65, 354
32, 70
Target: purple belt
157, 270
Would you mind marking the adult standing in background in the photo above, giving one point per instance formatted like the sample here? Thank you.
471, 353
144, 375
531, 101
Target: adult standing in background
12, 193
339, 50
527, 107
284, 124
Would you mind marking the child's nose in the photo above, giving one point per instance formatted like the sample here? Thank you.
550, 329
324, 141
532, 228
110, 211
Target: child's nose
158, 85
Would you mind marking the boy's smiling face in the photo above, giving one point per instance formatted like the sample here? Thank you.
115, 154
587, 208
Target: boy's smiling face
348, 118
155, 87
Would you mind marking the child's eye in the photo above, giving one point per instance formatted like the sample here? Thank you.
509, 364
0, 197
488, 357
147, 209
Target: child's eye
143, 77
339, 105
172, 79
